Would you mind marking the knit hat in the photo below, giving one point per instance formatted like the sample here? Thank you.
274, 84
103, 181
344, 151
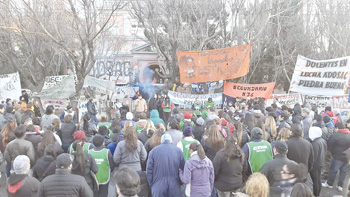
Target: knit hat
280, 146
79, 135
21, 164
166, 137
187, 115
187, 131
63, 161
129, 116
200, 121
315, 132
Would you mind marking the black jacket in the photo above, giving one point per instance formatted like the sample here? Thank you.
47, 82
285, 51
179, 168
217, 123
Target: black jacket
228, 175
153, 104
35, 138
63, 183
67, 132
320, 148
45, 163
300, 151
143, 136
90, 165
245, 137
22, 185
338, 143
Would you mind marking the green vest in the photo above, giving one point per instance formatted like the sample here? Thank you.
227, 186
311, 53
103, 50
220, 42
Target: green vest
167, 108
86, 148
208, 104
138, 129
182, 124
101, 158
197, 109
259, 154
186, 147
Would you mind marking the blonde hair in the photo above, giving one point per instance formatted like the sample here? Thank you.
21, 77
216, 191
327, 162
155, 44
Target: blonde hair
150, 126
284, 134
257, 185
270, 121
127, 124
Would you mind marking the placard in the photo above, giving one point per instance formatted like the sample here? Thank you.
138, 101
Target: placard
188, 99
249, 90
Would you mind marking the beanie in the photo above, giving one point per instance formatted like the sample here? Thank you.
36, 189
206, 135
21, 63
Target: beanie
187, 131
21, 164
129, 116
187, 115
166, 137
314, 132
79, 135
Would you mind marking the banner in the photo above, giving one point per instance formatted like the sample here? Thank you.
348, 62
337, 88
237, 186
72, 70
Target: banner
51, 81
249, 90
320, 101
325, 77
214, 65
60, 104
340, 102
285, 99
82, 106
122, 91
212, 86
188, 99
99, 83
62, 90
10, 86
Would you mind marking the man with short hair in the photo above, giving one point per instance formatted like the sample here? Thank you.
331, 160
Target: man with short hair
19, 146
140, 105
63, 183
91, 109
70, 112
307, 122
173, 131
127, 182
272, 169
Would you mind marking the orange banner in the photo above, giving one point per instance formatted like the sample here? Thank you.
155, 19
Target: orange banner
249, 90
214, 65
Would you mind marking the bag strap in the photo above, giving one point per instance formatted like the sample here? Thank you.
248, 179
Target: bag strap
46, 171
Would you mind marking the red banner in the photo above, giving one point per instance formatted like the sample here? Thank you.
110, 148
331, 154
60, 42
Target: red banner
249, 90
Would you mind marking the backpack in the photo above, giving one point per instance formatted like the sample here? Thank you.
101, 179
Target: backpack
330, 118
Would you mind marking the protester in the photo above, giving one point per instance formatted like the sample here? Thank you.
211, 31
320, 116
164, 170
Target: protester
153, 103
241, 135
154, 117
164, 179
307, 122
173, 131
128, 117
88, 127
197, 107
147, 132
198, 129
257, 185
24, 96
69, 111
49, 138
127, 182
167, 106
198, 172
186, 121
284, 134
91, 110
46, 164
34, 137
213, 142
56, 130
27, 114
184, 144
228, 167
113, 145
270, 127
2, 118
67, 131
301, 189
36, 107
140, 125
154, 140
47, 118
63, 183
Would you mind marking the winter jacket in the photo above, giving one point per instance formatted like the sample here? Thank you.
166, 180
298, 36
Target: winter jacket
200, 174
319, 146
163, 165
209, 151
46, 121
22, 185
228, 173
307, 122
27, 114
300, 150
272, 170
155, 118
63, 183
245, 137
90, 165
91, 108
198, 132
144, 136
140, 105
112, 146
19, 146
18, 116
2, 121
92, 130
283, 124
44, 163
132, 160
176, 135
57, 146
338, 143
67, 133
153, 104
321, 125
35, 138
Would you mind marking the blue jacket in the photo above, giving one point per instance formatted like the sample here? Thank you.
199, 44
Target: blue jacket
155, 118
163, 166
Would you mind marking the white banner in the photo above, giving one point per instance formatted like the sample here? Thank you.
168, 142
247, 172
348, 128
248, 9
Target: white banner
61, 90
51, 81
99, 83
189, 99
285, 99
10, 86
320, 77
320, 101
60, 104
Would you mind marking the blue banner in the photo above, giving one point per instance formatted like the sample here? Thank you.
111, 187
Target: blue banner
188, 99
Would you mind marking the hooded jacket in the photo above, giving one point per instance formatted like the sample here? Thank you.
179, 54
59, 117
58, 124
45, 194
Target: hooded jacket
155, 118
22, 185
200, 174
338, 143
300, 150
319, 146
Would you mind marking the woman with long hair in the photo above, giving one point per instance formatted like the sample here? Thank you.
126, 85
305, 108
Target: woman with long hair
89, 128
56, 123
257, 185
248, 122
147, 132
198, 172
228, 167
83, 164
283, 135
154, 140
45, 164
49, 138
266, 135
67, 131
270, 127
213, 143
7, 133
130, 152
241, 135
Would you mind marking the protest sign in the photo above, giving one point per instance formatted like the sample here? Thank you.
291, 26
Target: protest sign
320, 77
340, 102
10, 86
51, 81
61, 90
60, 104
214, 65
285, 99
249, 90
99, 83
188, 99
320, 101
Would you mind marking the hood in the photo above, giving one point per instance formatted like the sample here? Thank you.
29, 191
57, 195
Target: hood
15, 182
154, 114
329, 113
197, 162
346, 131
314, 133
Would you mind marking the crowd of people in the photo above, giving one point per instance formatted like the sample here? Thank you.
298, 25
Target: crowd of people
155, 149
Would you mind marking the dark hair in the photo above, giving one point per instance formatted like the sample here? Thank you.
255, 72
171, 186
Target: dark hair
239, 130
103, 130
115, 138
50, 150
79, 155
98, 141
130, 139
68, 118
49, 110
86, 120
198, 147
36, 121
173, 124
232, 149
20, 131
128, 181
297, 131
30, 128
48, 138
300, 189
155, 139
249, 121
